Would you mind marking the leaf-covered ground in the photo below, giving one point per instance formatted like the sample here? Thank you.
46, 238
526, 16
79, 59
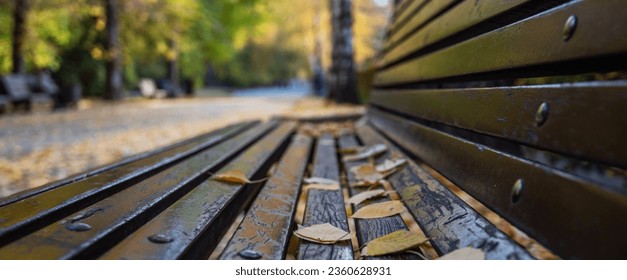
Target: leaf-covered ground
39, 148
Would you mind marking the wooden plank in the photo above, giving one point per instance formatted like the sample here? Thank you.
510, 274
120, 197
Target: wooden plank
445, 218
112, 217
404, 13
324, 206
37, 210
192, 142
460, 17
16, 87
369, 229
557, 209
266, 229
534, 41
595, 109
419, 18
196, 222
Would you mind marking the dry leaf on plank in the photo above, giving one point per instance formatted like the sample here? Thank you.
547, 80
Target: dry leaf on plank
367, 152
322, 233
328, 187
380, 210
366, 173
361, 197
394, 242
349, 151
467, 253
323, 181
234, 176
388, 164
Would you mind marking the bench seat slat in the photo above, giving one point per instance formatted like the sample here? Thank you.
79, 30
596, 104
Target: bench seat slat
325, 206
369, 229
268, 224
197, 221
535, 41
445, 218
37, 210
551, 206
126, 210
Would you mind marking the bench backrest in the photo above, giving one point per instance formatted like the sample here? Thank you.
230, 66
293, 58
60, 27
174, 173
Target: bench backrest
16, 87
498, 97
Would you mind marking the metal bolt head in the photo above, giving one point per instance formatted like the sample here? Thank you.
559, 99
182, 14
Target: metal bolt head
569, 27
517, 190
160, 239
250, 254
78, 227
542, 114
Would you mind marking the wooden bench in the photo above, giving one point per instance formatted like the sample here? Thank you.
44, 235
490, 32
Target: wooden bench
545, 157
27, 91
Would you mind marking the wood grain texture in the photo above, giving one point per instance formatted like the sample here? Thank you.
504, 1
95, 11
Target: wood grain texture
535, 41
121, 213
266, 229
29, 213
324, 206
509, 112
197, 221
369, 229
445, 218
457, 19
555, 208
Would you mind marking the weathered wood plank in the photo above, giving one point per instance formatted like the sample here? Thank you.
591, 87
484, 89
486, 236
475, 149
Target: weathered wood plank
266, 229
406, 11
445, 218
113, 217
596, 109
460, 17
535, 41
196, 222
368, 229
548, 204
424, 14
37, 210
324, 206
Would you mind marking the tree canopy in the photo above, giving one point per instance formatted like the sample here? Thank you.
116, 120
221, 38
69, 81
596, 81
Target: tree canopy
238, 42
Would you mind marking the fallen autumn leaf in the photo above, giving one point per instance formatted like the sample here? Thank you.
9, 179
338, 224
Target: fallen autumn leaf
380, 210
467, 253
394, 242
361, 197
322, 233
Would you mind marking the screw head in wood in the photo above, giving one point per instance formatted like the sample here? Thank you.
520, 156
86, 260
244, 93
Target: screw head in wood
542, 114
250, 254
569, 27
79, 227
160, 238
517, 190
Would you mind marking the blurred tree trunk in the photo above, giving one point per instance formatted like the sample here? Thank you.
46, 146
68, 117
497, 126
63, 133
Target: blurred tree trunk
113, 90
19, 34
342, 80
172, 64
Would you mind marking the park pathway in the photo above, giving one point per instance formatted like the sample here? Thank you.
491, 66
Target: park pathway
38, 148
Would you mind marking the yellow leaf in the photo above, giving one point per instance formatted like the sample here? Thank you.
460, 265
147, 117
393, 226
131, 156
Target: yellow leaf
394, 242
388, 165
322, 233
359, 198
329, 187
349, 151
366, 173
467, 253
367, 152
380, 210
234, 176
323, 181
